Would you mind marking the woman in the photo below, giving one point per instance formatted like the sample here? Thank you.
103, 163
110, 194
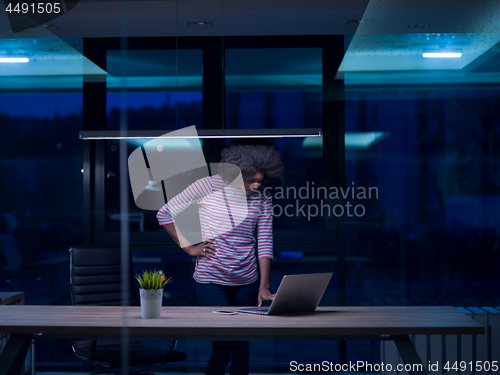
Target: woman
226, 264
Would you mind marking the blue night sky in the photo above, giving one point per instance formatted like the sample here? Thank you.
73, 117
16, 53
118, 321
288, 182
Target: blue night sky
40, 106
45, 105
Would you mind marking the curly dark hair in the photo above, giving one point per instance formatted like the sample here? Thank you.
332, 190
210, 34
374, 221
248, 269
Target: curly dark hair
251, 158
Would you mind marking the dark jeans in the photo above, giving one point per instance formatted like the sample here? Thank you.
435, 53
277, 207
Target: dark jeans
224, 351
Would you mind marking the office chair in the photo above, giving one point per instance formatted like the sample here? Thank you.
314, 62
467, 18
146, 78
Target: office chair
95, 278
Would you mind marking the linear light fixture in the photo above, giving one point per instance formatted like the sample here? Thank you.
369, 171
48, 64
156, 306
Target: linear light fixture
14, 60
207, 133
442, 55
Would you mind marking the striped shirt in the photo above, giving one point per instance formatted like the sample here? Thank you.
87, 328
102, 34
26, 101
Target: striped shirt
230, 223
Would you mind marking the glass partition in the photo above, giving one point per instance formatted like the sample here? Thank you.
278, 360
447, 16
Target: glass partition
411, 135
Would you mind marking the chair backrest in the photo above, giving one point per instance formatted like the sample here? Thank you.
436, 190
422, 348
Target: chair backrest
96, 277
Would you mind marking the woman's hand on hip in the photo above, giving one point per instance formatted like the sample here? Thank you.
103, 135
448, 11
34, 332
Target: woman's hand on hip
204, 249
264, 295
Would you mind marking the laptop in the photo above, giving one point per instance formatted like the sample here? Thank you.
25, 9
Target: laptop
296, 293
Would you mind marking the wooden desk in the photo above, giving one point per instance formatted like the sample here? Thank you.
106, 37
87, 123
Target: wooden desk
199, 323
10, 298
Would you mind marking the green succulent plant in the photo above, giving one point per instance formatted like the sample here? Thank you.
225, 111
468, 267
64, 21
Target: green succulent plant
152, 280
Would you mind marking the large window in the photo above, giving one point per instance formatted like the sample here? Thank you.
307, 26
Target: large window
282, 88
161, 89
41, 111
279, 86
157, 90
41, 167
431, 151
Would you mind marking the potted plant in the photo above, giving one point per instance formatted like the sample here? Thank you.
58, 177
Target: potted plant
151, 285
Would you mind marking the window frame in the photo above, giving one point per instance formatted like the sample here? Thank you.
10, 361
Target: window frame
213, 50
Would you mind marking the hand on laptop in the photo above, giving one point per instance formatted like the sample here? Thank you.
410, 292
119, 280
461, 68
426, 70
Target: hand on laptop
264, 294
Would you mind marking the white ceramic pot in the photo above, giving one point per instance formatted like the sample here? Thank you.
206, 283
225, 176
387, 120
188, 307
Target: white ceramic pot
151, 303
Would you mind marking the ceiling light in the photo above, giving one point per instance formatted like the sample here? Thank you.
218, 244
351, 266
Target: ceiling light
442, 55
358, 22
14, 59
51, 26
200, 24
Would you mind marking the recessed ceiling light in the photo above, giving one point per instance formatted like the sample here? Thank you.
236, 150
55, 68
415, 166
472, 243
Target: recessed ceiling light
51, 27
200, 24
14, 59
442, 55
417, 26
358, 22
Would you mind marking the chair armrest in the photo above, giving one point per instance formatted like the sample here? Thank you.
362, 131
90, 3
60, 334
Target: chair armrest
91, 353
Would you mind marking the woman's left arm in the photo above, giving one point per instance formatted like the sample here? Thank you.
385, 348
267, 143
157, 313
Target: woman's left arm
265, 270
265, 247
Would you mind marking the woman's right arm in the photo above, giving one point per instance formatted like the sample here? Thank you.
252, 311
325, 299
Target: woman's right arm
192, 194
